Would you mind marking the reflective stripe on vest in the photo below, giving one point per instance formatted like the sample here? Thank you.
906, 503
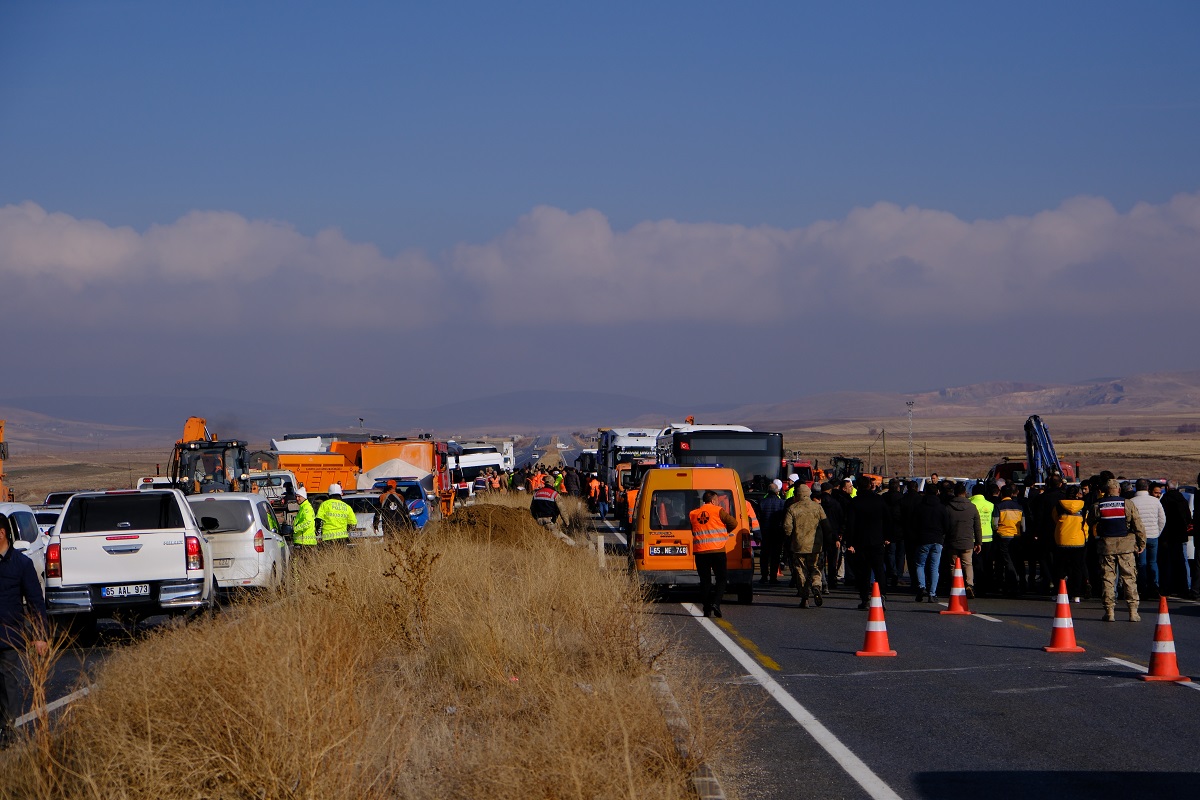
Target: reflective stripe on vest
1112, 518
708, 532
336, 518
545, 493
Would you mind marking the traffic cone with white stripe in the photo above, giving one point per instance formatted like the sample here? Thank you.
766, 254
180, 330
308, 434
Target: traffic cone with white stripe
876, 641
958, 591
1062, 636
1163, 665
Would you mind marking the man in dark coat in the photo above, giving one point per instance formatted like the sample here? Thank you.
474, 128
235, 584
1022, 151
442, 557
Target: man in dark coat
868, 532
22, 618
1172, 553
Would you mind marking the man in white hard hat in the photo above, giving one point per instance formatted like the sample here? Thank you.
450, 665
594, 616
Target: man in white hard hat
304, 526
336, 517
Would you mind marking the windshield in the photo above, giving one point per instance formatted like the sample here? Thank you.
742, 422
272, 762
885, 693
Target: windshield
362, 505
231, 515
669, 508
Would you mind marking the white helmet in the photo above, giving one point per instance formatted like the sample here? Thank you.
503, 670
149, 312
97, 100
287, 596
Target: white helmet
335, 488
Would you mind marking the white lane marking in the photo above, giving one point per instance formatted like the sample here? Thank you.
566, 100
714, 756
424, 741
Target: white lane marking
854, 766
975, 614
616, 533
1140, 668
1022, 690
57, 704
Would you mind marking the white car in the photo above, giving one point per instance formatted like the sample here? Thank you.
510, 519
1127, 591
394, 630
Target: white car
47, 518
250, 548
27, 535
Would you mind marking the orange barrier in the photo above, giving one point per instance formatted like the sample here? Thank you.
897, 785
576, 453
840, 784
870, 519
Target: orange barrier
1163, 665
1062, 636
958, 591
876, 641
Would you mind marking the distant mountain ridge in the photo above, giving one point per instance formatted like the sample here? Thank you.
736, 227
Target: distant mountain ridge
61, 421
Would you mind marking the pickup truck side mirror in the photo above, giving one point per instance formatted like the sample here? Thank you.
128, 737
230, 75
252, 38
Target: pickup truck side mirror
209, 523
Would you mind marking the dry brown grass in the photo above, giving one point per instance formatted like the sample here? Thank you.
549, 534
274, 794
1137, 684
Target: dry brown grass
480, 659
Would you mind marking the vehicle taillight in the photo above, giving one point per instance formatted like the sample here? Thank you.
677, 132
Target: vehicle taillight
54, 561
258, 542
195, 556
747, 552
639, 552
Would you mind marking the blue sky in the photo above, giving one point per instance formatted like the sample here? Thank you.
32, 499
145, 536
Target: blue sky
426, 131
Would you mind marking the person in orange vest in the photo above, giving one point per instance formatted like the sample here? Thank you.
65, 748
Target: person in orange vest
593, 492
630, 506
711, 526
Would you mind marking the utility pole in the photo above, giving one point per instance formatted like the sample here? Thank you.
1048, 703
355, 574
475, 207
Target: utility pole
885, 464
926, 458
911, 473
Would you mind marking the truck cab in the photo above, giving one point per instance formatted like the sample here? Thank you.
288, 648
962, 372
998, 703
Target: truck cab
661, 547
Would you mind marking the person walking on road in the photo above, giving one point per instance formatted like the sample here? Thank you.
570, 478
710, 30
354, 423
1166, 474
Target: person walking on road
337, 518
964, 539
1009, 521
771, 551
868, 532
933, 520
984, 565
804, 525
304, 525
711, 525
1120, 537
22, 618
1071, 540
1154, 518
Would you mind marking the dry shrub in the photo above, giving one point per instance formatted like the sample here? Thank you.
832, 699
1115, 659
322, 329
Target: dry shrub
481, 658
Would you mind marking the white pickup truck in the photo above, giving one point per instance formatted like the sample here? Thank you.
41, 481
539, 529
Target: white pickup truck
134, 554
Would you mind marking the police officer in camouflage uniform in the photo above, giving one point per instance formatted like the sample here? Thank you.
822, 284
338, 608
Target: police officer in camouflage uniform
1120, 536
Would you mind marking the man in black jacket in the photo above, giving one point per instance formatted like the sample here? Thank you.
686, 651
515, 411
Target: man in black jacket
964, 539
1172, 553
868, 532
19, 586
933, 522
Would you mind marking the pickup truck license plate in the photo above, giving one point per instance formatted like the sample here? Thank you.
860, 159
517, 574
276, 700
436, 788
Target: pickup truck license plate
222, 562
669, 550
125, 591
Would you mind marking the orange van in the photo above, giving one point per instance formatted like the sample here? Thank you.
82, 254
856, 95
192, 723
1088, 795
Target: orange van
661, 547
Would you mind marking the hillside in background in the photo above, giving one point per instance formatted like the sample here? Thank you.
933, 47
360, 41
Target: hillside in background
118, 422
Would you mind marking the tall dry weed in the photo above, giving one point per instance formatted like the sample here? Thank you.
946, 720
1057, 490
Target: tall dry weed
480, 658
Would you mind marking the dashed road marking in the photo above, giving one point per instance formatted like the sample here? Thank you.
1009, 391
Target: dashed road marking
854, 766
975, 614
616, 532
1140, 668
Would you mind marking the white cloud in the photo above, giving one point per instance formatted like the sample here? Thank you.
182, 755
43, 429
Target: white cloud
557, 267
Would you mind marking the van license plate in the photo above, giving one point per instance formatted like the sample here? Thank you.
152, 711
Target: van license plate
125, 591
669, 550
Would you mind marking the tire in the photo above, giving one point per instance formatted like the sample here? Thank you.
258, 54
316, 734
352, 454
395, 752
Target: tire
745, 594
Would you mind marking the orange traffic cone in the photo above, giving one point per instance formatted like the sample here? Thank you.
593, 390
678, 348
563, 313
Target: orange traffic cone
1163, 666
958, 591
876, 641
1062, 636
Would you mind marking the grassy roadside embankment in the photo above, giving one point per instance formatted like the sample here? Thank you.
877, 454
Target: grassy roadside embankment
482, 658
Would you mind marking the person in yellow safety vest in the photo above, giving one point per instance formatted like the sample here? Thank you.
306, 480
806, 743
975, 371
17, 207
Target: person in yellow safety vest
559, 479
336, 517
755, 530
304, 526
985, 575
790, 486
711, 526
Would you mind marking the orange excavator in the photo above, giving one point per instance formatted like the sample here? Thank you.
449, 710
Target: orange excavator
6, 493
202, 463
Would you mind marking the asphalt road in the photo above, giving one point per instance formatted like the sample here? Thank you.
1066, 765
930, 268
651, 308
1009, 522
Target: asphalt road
969, 708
